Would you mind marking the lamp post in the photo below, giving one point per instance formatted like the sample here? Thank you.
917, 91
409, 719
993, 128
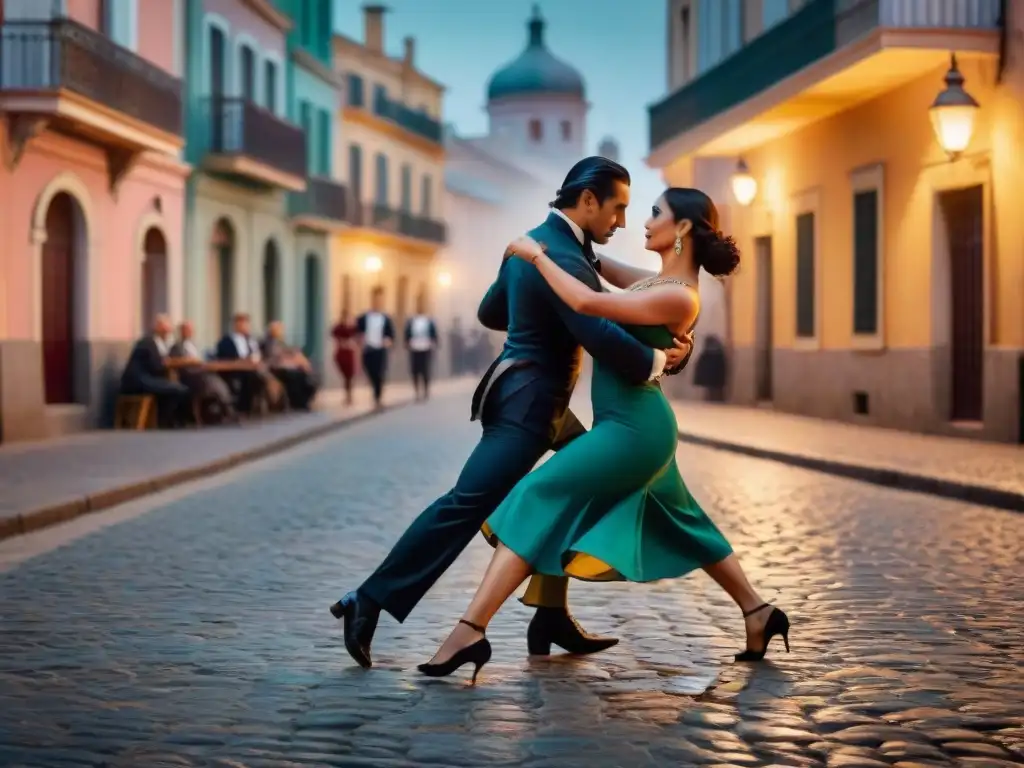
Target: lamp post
744, 185
953, 113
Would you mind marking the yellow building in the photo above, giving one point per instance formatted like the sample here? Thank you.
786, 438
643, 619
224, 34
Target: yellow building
883, 261
389, 148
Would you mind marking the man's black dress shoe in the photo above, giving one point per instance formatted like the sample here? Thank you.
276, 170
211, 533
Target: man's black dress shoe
557, 626
360, 615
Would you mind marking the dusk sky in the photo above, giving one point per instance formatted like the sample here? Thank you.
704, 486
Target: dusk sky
618, 47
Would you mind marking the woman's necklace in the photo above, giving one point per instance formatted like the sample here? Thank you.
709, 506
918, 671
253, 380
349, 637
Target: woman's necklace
650, 282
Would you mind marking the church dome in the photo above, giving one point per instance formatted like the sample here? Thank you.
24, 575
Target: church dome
536, 71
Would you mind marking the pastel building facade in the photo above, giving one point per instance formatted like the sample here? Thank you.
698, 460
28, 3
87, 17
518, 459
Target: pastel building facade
883, 251
91, 200
247, 156
389, 149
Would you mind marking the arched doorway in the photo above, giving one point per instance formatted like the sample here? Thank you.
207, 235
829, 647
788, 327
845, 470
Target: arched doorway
154, 276
313, 295
271, 282
64, 282
222, 275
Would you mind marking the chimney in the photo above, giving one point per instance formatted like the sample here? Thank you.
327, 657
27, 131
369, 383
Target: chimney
373, 19
410, 51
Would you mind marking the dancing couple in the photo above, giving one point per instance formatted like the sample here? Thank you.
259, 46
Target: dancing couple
610, 504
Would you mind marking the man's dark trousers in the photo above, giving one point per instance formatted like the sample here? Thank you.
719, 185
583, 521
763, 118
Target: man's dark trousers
517, 431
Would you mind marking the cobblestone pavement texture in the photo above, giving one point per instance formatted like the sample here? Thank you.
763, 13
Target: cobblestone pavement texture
198, 635
995, 465
50, 472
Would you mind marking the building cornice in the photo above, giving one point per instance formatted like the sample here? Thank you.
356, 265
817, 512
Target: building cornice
266, 11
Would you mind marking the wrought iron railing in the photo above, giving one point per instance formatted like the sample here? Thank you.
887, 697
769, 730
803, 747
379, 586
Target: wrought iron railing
62, 54
240, 127
411, 120
813, 32
389, 220
323, 199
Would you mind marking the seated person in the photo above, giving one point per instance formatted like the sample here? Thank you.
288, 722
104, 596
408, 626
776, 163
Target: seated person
146, 374
209, 389
290, 366
239, 345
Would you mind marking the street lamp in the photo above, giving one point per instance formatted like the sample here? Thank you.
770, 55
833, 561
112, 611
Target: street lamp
373, 264
744, 186
444, 279
953, 113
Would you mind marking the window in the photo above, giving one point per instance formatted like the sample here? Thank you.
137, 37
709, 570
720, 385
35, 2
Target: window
270, 85
536, 130
406, 188
684, 49
772, 12
306, 122
867, 256
120, 22
806, 325
382, 180
247, 70
355, 91
380, 100
355, 171
323, 142
217, 68
566, 130
425, 201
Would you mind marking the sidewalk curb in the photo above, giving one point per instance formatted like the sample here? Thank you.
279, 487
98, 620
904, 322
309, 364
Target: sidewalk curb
890, 478
44, 517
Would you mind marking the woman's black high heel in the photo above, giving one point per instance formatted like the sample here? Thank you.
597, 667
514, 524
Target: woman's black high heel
777, 624
477, 654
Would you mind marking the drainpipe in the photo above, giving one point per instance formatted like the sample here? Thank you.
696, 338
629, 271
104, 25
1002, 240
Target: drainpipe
1003, 38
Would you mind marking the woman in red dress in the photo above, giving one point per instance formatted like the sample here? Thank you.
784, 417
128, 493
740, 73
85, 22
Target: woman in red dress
344, 334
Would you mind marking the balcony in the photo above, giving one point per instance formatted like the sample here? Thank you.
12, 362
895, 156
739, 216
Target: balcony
393, 117
251, 143
826, 57
64, 75
325, 206
385, 219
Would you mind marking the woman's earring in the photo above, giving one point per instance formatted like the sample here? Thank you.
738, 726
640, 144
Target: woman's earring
679, 245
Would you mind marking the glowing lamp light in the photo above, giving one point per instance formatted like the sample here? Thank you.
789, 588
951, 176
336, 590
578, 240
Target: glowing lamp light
373, 264
444, 279
744, 186
953, 113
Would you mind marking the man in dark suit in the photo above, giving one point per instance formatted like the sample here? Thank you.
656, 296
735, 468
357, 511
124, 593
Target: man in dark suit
146, 374
240, 345
522, 403
376, 336
421, 341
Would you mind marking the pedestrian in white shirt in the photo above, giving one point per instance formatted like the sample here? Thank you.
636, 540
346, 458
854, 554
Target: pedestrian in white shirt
421, 341
376, 335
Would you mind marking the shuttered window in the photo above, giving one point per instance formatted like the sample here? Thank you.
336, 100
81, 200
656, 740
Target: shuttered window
865, 262
805, 277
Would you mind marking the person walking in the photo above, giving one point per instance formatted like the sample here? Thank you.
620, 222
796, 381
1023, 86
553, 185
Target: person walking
376, 336
421, 341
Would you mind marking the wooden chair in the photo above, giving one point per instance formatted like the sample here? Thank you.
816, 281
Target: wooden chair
135, 412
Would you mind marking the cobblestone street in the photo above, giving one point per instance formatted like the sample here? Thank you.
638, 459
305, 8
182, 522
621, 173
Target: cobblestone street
198, 634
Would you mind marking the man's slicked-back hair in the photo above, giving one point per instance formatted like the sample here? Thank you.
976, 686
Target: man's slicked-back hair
598, 174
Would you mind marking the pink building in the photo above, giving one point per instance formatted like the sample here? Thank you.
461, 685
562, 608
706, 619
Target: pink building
91, 200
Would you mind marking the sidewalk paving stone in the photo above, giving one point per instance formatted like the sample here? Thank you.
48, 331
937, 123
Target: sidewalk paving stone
50, 481
969, 470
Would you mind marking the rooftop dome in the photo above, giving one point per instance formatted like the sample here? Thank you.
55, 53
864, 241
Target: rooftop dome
536, 70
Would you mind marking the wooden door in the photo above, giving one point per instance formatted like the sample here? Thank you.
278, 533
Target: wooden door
963, 211
763, 330
58, 276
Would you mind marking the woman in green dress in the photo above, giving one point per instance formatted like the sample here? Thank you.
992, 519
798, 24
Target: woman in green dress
612, 505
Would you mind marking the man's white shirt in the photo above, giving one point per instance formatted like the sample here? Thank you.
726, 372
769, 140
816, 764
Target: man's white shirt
374, 334
660, 358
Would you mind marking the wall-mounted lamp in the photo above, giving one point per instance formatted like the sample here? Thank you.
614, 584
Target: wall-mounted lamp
953, 113
444, 279
373, 264
744, 186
